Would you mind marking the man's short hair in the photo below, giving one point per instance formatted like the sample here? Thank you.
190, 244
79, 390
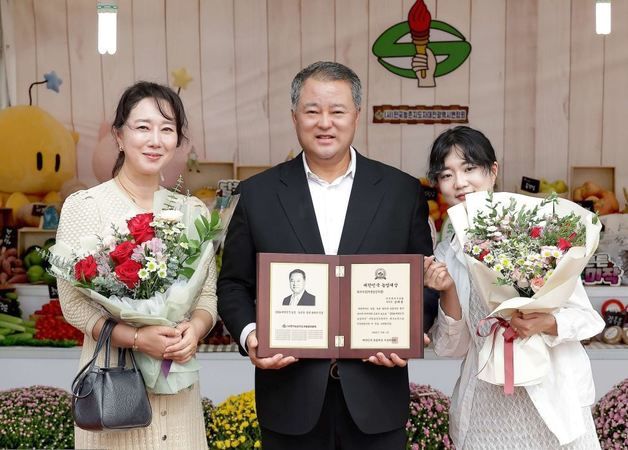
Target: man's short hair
326, 71
296, 271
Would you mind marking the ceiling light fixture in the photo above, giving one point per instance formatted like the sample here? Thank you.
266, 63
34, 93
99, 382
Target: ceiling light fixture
603, 16
107, 24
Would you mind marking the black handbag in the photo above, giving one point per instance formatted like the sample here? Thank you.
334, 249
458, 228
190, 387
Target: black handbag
110, 398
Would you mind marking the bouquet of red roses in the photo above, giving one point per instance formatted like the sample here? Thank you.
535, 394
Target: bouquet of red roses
145, 256
149, 270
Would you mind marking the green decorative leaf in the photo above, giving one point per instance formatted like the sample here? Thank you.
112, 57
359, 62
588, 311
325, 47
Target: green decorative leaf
187, 272
215, 219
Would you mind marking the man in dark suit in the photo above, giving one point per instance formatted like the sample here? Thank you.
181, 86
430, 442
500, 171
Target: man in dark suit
331, 200
299, 297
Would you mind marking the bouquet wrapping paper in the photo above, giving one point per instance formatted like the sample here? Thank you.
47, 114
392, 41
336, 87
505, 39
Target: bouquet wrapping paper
529, 356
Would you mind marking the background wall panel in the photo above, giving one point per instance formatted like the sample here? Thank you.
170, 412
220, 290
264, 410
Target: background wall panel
149, 40
86, 86
318, 28
384, 140
284, 46
520, 101
25, 48
183, 51
615, 131
217, 56
546, 90
487, 73
52, 53
353, 49
251, 50
586, 87
552, 90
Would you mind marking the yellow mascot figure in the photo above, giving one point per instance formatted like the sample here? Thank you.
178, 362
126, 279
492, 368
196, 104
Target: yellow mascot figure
37, 154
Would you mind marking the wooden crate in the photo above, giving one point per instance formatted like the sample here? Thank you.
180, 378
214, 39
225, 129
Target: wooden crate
209, 176
602, 176
28, 236
244, 172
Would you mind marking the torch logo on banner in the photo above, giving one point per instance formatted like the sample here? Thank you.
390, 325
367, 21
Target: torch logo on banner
436, 48
419, 19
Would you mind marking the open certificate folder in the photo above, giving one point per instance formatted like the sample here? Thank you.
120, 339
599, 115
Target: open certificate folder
328, 306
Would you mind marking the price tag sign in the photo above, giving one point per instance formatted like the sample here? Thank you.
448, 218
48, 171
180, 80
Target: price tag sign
530, 185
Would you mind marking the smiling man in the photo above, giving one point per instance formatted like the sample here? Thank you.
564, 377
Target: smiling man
299, 296
328, 200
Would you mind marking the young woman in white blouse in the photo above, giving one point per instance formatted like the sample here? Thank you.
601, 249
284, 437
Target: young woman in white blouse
555, 414
149, 128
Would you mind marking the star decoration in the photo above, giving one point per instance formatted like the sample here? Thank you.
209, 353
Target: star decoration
181, 78
53, 81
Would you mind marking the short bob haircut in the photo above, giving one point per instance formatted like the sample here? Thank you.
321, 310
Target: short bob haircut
163, 95
472, 145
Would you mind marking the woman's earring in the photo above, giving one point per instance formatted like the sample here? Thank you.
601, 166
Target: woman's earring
120, 149
161, 177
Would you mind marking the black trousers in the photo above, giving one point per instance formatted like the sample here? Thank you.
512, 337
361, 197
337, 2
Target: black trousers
335, 430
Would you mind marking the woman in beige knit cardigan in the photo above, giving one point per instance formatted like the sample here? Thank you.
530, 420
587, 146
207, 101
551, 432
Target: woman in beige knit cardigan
149, 128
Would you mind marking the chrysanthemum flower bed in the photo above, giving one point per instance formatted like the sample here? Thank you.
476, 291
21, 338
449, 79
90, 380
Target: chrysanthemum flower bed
233, 423
611, 418
36, 417
428, 425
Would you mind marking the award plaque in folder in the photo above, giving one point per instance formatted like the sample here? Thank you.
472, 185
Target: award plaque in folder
339, 306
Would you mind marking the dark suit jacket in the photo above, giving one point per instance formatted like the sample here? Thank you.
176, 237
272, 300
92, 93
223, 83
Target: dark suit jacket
387, 213
306, 299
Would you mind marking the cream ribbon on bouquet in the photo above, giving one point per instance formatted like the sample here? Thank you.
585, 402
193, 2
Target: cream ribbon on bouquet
530, 356
169, 308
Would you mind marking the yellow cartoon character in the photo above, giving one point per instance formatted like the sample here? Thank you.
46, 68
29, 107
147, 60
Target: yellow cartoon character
38, 155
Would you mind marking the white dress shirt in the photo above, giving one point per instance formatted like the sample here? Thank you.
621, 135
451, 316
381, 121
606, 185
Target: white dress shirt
331, 201
295, 299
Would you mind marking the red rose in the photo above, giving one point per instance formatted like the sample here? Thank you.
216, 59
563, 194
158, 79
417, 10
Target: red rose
127, 273
535, 232
86, 269
483, 255
140, 229
122, 252
563, 244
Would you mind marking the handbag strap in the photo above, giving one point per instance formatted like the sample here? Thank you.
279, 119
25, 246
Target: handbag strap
104, 337
122, 352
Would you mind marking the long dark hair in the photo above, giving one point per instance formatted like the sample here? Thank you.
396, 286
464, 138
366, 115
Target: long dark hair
138, 92
474, 148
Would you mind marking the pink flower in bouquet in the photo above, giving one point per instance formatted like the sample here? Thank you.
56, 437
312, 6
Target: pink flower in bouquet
86, 269
127, 272
122, 252
537, 283
140, 227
